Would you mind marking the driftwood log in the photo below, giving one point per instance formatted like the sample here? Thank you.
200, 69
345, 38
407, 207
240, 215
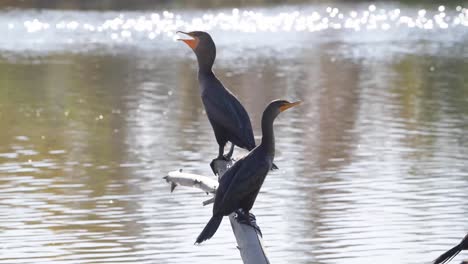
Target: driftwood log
249, 240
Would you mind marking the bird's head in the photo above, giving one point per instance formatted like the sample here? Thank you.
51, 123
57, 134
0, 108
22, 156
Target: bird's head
201, 43
278, 106
274, 109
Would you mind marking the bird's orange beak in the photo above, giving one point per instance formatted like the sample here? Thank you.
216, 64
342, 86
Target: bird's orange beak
289, 105
192, 43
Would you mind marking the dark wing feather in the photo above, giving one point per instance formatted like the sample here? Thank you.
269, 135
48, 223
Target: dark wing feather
246, 179
226, 111
224, 184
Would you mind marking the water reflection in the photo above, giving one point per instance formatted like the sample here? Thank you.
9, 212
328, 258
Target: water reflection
46, 31
373, 164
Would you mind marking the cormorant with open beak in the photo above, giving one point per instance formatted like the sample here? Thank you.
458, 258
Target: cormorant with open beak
226, 114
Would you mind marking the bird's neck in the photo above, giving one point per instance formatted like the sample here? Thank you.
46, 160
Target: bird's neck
206, 80
205, 74
268, 137
205, 65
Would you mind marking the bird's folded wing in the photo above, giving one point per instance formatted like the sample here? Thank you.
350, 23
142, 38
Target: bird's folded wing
245, 180
228, 113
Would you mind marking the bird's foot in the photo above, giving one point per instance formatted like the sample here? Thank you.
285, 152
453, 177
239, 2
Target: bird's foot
213, 168
224, 157
228, 156
248, 219
219, 158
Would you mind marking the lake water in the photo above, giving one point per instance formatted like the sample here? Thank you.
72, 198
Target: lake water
96, 107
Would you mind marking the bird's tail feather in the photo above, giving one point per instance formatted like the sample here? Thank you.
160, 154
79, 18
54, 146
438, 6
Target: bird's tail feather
210, 229
447, 256
464, 243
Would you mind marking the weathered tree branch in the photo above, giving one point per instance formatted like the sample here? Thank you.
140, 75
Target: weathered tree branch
248, 239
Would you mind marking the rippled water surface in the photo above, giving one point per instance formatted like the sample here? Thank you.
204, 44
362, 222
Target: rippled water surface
96, 107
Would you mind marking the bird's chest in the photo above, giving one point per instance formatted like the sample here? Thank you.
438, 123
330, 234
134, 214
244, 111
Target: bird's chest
214, 102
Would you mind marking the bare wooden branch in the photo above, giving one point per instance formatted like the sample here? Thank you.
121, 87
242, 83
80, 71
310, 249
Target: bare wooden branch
249, 241
209, 201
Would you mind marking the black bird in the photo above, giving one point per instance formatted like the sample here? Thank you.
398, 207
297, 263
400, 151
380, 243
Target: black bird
449, 255
227, 116
239, 186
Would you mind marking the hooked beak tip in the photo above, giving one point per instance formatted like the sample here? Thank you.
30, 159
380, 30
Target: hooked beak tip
182, 32
287, 106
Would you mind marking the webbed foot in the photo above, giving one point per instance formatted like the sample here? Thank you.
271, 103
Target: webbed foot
248, 219
212, 165
213, 162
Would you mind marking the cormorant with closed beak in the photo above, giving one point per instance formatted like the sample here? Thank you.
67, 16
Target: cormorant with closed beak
239, 186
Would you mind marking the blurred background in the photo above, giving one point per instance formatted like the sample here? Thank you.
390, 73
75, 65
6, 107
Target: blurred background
98, 101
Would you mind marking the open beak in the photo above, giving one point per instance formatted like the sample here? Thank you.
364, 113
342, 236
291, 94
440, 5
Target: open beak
192, 43
289, 105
